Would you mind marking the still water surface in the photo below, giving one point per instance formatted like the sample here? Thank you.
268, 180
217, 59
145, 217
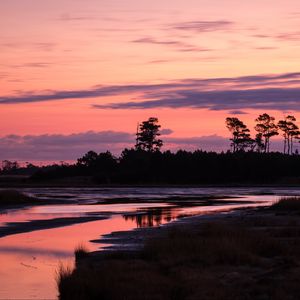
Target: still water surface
29, 260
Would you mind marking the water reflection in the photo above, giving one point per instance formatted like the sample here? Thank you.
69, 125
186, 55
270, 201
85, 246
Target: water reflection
34, 252
152, 217
28, 260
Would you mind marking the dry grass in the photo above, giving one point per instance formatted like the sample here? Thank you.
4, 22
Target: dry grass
287, 204
12, 197
210, 262
213, 244
62, 275
80, 252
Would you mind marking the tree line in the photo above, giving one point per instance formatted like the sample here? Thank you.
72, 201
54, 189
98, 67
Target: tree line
249, 161
265, 128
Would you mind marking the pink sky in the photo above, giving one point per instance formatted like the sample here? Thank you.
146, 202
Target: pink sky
70, 67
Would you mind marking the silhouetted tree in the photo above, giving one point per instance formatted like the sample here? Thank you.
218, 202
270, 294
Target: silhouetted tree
88, 159
241, 139
267, 128
147, 136
8, 166
290, 132
259, 143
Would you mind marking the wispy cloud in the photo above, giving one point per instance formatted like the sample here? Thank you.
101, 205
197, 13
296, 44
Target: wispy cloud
269, 98
177, 45
279, 92
61, 147
66, 17
203, 26
38, 65
283, 36
37, 46
57, 147
289, 36
237, 112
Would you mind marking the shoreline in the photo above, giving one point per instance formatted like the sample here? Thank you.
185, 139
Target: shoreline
84, 184
247, 254
134, 239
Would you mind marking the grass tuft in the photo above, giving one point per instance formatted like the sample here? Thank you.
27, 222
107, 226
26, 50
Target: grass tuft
80, 252
62, 276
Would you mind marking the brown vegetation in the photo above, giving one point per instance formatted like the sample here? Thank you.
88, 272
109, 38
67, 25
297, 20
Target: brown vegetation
241, 258
80, 252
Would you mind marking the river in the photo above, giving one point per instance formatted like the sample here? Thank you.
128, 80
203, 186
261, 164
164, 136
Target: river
35, 240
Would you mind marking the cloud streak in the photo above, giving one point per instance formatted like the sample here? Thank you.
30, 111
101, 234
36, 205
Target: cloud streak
61, 147
177, 45
58, 147
203, 26
279, 92
269, 98
65, 147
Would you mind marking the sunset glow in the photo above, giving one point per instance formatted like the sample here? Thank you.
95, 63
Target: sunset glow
79, 75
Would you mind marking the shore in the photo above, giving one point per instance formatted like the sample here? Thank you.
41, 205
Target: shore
88, 182
135, 239
246, 254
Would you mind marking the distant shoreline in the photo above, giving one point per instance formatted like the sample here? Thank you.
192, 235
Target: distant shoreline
86, 182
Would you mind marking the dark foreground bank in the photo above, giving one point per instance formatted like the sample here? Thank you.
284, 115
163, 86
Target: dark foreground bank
249, 255
12, 198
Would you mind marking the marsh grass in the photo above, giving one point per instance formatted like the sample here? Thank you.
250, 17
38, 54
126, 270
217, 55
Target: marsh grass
80, 252
62, 275
287, 204
213, 244
13, 197
211, 261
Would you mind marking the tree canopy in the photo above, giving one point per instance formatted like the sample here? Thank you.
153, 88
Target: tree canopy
147, 136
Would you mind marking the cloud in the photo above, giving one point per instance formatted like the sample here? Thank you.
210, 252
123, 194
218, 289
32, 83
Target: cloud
203, 26
279, 92
29, 65
166, 131
268, 98
289, 36
58, 147
266, 48
66, 17
178, 45
237, 112
211, 143
40, 46
61, 147
206, 143
149, 40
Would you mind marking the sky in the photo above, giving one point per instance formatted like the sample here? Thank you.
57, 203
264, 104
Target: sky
77, 75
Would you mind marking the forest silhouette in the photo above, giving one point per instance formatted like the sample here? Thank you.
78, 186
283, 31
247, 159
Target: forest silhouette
249, 161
